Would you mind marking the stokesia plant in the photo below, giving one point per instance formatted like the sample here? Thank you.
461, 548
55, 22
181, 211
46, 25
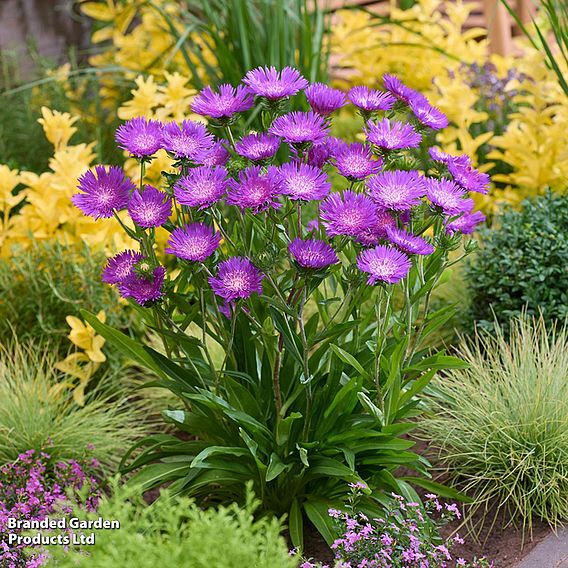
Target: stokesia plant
297, 283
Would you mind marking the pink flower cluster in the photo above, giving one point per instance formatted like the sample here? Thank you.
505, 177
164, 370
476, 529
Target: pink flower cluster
31, 489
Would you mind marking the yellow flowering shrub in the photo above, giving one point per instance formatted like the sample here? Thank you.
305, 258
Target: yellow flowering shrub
136, 36
48, 212
535, 143
428, 52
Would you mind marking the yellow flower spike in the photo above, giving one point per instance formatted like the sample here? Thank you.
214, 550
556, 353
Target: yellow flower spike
58, 126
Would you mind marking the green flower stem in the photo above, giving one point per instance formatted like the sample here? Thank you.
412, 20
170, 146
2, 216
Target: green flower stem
384, 295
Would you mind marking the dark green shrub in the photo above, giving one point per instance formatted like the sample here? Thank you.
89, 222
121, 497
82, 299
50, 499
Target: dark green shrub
522, 264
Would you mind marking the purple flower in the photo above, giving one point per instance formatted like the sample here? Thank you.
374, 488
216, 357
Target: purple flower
371, 235
447, 196
392, 135
406, 242
384, 264
323, 99
258, 147
188, 141
194, 242
272, 84
237, 277
347, 214
302, 182
300, 127
144, 288
202, 186
318, 155
224, 104
217, 155
438, 156
396, 190
427, 114
370, 100
466, 223
103, 191
140, 137
150, 208
119, 267
312, 253
467, 176
395, 86
356, 161
255, 190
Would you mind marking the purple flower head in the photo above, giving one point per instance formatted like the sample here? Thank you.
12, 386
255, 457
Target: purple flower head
151, 208
384, 264
190, 140
255, 190
272, 84
427, 114
323, 99
396, 190
370, 100
300, 127
396, 87
448, 196
377, 231
312, 253
302, 182
202, 186
347, 214
356, 161
237, 277
103, 191
224, 104
140, 137
312, 225
120, 267
466, 223
194, 242
392, 135
438, 156
144, 288
467, 176
406, 242
217, 155
318, 155
258, 147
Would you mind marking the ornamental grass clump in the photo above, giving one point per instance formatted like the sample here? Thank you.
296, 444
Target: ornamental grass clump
38, 412
288, 248
502, 424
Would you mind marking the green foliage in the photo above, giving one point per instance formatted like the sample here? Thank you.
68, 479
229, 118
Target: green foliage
173, 531
502, 424
36, 414
521, 264
23, 145
244, 34
41, 286
342, 408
